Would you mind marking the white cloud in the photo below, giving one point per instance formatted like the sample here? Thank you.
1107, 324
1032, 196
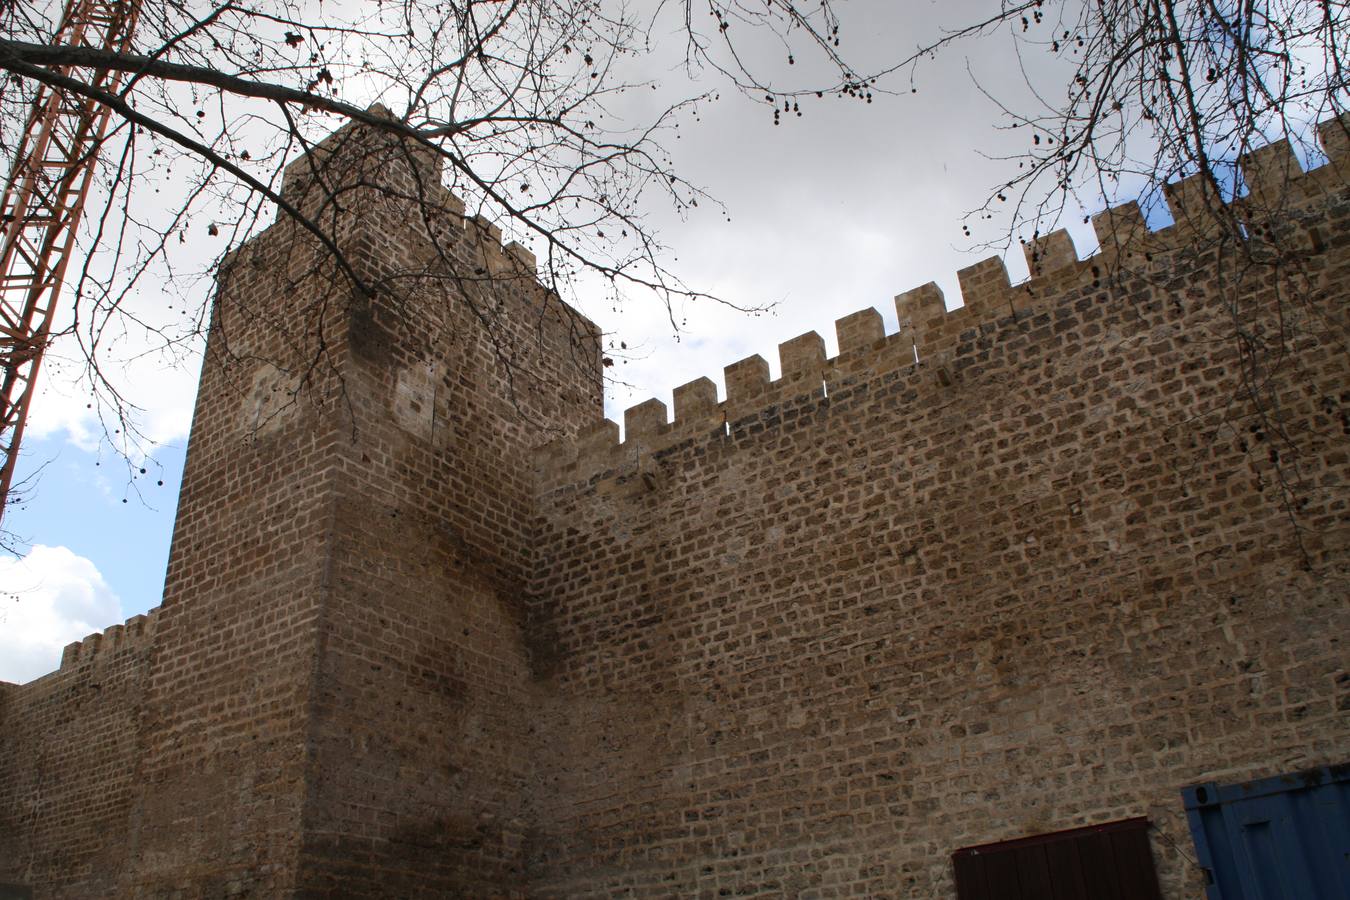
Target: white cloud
162, 389
50, 598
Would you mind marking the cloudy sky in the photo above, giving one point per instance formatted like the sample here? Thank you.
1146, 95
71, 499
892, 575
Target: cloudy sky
832, 212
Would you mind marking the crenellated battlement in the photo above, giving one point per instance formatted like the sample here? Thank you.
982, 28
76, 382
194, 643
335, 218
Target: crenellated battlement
929, 331
135, 633
358, 157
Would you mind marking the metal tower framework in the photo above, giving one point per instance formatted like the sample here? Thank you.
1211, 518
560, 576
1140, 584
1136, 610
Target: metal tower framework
44, 198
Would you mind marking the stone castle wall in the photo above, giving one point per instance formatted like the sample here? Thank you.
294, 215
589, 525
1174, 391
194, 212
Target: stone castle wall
69, 762
813, 638
431, 629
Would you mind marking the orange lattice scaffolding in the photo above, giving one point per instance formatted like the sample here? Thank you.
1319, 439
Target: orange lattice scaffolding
44, 197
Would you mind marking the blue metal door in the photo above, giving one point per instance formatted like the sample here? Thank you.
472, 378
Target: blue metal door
1281, 838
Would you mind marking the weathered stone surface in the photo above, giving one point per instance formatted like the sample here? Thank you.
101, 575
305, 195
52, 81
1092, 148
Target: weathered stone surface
801, 642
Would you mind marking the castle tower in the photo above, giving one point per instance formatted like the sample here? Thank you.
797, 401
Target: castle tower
338, 689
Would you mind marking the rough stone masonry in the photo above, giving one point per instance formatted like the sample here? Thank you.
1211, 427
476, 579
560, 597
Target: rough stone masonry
430, 629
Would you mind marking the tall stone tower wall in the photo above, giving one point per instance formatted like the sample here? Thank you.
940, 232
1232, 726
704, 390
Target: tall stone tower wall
335, 695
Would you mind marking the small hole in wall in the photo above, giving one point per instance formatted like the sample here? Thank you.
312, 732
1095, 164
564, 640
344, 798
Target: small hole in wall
726, 427
824, 389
